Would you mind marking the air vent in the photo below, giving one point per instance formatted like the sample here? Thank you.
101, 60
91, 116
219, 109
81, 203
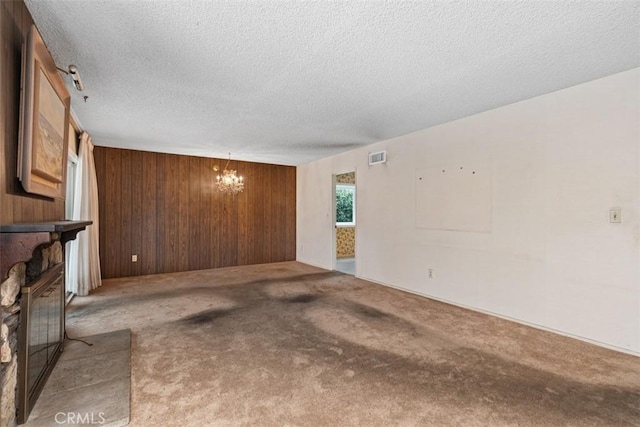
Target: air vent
377, 158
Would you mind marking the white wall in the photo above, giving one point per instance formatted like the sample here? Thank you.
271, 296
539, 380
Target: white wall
559, 163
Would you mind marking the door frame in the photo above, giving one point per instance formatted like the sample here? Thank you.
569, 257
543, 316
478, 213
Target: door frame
334, 227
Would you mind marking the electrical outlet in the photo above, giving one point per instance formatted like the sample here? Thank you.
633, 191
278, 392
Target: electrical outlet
134, 258
431, 273
615, 216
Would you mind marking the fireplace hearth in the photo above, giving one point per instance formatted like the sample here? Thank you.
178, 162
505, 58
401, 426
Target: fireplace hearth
32, 293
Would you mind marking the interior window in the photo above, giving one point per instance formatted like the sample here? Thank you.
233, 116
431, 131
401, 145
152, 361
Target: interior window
345, 205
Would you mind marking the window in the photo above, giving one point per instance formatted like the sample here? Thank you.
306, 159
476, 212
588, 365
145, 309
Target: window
72, 165
345, 205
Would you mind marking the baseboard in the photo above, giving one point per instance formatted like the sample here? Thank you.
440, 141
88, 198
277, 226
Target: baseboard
313, 265
511, 319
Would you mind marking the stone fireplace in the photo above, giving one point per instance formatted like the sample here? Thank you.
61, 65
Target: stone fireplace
32, 274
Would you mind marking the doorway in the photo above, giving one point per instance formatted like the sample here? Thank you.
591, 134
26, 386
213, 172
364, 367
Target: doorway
344, 208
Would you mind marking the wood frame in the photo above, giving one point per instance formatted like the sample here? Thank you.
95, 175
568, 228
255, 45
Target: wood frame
44, 121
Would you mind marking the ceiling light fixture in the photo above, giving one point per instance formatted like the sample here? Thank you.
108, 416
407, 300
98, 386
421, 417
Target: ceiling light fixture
75, 76
229, 182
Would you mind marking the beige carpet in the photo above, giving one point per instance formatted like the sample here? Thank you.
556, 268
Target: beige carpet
291, 345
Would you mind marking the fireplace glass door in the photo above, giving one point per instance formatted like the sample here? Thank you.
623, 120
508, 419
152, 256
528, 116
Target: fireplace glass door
42, 311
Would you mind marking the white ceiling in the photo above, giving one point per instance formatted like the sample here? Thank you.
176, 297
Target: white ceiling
288, 82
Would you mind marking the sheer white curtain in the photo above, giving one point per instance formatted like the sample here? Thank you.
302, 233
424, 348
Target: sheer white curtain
84, 268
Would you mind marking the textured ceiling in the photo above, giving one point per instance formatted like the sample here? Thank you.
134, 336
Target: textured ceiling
288, 82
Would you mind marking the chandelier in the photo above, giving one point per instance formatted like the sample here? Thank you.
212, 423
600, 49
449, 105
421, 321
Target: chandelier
229, 182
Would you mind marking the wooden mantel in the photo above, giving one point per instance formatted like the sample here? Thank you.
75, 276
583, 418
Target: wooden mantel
17, 241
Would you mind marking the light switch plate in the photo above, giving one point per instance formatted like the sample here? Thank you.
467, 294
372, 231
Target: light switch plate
615, 216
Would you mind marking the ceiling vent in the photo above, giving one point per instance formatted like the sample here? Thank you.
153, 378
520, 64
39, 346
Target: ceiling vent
377, 157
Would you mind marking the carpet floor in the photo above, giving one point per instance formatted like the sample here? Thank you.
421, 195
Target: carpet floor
287, 344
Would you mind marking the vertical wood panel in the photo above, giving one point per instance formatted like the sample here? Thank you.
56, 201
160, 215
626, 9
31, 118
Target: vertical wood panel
290, 224
210, 243
6, 205
243, 199
279, 243
15, 204
170, 230
136, 210
27, 209
126, 225
183, 208
255, 218
161, 220
110, 261
206, 248
276, 212
23, 203
263, 215
228, 245
39, 213
269, 199
215, 218
148, 213
57, 212
12, 113
169, 204
202, 248
195, 212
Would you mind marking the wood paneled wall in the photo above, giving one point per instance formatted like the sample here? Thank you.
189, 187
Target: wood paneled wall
15, 204
165, 209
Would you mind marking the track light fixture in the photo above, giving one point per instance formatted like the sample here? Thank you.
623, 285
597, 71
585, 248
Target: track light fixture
75, 76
